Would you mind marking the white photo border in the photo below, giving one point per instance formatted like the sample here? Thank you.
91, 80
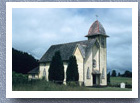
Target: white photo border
71, 94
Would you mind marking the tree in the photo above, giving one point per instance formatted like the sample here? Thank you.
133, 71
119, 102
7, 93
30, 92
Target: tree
22, 62
119, 74
113, 73
72, 70
127, 74
108, 78
56, 69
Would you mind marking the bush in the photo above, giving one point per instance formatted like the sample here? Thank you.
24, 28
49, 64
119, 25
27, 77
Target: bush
73, 84
19, 78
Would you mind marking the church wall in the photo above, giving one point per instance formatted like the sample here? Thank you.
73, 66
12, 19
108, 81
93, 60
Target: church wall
79, 58
43, 66
46, 67
95, 56
30, 76
65, 69
88, 64
103, 63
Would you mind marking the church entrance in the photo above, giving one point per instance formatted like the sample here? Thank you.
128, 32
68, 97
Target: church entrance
94, 79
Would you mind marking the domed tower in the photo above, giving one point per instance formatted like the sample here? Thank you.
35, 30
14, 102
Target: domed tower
97, 32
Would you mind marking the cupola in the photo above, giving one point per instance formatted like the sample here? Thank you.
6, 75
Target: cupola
96, 29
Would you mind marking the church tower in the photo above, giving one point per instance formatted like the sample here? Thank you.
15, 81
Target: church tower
97, 32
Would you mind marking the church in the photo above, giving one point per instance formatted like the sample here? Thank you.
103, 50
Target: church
91, 55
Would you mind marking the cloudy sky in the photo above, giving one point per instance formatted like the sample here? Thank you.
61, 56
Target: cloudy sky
35, 30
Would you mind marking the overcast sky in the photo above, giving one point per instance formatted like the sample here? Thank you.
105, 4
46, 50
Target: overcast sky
35, 30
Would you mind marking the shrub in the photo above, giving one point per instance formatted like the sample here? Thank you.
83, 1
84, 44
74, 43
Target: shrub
72, 70
56, 69
73, 84
18, 78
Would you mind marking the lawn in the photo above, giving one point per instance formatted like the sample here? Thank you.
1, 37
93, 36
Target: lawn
118, 80
48, 86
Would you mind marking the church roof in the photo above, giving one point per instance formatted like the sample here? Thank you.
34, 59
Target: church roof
96, 29
67, 50
34, 71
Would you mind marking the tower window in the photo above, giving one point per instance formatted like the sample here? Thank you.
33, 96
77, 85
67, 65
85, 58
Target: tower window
94, 63
88, 73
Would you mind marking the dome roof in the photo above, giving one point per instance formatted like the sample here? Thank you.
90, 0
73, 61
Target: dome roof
96, 29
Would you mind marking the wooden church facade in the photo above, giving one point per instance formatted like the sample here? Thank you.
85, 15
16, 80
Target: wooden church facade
91, 58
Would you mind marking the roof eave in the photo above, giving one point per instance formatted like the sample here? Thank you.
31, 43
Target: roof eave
96, 35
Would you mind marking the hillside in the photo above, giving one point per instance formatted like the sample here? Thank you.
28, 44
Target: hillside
22, 62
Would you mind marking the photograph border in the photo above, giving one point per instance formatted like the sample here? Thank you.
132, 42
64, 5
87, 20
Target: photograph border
71, 94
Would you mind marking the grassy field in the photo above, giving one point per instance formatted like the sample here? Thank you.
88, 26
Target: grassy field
118, 80
48, 86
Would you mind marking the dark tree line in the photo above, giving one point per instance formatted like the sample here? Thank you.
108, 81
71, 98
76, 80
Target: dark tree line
22, 62
114, 74
125, 74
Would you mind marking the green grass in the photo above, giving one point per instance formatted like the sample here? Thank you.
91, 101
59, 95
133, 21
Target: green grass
48, 86
118, 80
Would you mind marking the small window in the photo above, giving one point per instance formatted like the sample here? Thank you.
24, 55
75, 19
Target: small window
44, 73
88, 73
103, 74
94, 63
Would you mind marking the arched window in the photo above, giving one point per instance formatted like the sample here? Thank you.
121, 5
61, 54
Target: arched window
44, 73
88, 73
103, 73
94, 63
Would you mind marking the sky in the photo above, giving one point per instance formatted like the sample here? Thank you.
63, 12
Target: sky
34, 30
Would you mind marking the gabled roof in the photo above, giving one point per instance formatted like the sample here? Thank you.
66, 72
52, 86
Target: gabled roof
67, 50
34, 71
96, 29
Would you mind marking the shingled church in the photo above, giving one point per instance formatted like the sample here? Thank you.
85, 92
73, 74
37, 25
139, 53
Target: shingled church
91, 57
